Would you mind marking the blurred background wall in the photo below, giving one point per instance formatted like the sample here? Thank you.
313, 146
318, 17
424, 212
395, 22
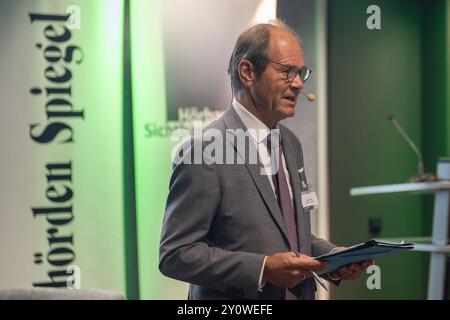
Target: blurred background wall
403, 69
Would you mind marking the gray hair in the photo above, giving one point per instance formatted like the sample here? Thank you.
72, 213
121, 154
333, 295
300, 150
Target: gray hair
252, 45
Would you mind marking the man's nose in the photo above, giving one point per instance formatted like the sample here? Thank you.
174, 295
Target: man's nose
297, 83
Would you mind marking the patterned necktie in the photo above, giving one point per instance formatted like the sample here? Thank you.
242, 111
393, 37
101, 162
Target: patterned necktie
283, 196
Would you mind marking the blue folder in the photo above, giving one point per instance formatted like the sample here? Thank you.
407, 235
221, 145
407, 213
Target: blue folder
367, 251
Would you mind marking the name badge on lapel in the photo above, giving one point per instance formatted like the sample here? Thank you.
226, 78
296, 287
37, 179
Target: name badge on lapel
309, 198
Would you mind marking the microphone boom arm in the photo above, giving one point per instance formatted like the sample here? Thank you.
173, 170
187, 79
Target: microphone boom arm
411, 144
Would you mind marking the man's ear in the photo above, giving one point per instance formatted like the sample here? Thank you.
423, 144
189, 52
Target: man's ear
246, 73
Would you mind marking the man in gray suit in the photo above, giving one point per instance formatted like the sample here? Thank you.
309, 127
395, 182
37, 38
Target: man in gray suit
239, 230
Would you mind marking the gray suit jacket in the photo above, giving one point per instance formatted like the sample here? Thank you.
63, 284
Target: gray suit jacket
221, 220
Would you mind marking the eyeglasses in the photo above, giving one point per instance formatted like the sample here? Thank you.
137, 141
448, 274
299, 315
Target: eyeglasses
292, 71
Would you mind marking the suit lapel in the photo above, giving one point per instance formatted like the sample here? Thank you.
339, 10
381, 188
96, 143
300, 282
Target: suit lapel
307, 288
232, 121
293, 165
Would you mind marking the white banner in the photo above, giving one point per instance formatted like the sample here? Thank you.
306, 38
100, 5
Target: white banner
61, 200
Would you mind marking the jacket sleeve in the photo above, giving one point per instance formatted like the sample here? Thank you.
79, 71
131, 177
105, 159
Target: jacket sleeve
320, 246
185, 254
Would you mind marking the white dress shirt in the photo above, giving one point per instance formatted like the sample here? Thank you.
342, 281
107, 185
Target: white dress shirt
259, 134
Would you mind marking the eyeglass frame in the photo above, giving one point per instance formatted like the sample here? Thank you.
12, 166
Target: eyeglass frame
289, 68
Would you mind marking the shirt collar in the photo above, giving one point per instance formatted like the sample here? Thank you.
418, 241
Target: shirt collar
259, 130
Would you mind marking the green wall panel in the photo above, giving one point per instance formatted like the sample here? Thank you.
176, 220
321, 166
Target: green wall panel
370, 72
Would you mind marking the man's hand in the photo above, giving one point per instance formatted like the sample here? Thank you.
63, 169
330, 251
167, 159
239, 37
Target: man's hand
286, 269
350, 271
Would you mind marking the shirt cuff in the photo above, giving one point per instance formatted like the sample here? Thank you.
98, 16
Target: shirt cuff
262, 283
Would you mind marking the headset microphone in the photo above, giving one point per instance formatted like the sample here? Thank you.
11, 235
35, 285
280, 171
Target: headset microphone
310, 96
